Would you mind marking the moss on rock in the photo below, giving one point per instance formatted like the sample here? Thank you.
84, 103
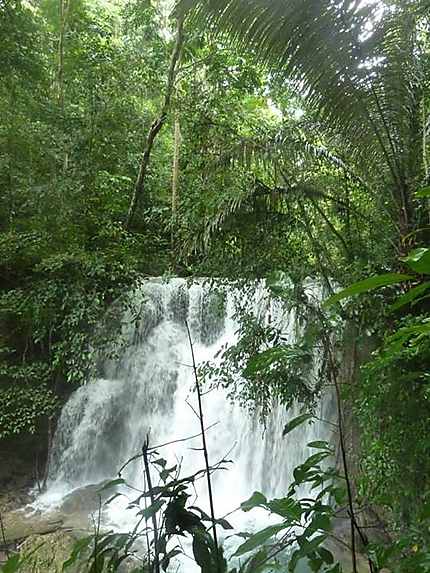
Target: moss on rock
47, 553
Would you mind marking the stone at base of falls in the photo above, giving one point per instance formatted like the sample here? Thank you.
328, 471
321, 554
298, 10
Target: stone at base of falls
47, 538
86, 499
47, 553
18, 525
74, 513
342, 554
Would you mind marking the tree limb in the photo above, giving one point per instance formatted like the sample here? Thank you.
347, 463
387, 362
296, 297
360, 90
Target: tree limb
157, 124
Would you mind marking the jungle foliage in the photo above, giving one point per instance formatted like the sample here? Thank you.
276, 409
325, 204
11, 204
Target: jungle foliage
294, 142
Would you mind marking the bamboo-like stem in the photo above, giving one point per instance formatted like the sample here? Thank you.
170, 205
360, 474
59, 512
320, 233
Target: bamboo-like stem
96, 537
152, 497
424, 124
145, 501
175, 177
205, 448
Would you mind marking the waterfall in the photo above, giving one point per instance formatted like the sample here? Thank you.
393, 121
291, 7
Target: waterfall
149, 388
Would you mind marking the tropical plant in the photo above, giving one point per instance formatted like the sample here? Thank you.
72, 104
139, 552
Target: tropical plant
392, 403
362, 67
164, 515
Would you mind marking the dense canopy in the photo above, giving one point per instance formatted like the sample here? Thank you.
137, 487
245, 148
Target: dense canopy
237, 140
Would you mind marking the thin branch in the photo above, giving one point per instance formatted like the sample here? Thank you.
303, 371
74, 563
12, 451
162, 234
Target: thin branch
145, 448
145, 502
153, 448
193, 409
97, 525
332, 228
205, 449
184, 439
316, 247
345, 468
351, 510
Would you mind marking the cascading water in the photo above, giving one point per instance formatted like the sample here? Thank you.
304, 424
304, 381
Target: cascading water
150, 389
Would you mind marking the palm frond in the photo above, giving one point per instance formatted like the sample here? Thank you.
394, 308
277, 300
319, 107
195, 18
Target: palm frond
313, 41
289, 149
368, 90
214, 220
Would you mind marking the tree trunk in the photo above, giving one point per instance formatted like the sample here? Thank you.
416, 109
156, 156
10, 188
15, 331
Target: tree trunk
64, 12
139, 188
175, 177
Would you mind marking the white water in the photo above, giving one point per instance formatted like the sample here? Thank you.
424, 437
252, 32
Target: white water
150, 389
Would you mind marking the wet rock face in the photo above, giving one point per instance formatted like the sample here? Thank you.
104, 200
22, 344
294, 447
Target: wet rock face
17, 525
48, 538
213, 316
74, 514
85, 500
18, 458
47, 553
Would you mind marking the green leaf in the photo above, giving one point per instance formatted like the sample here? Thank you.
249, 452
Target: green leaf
321, 521
257, 562
264, 360
339, 494
335, 569
276, 282
315, 563
202, 551
419, 261
259, 538
257, 499
78, 548
224, 523
423, 193
97, 564
111, 483
12, 564
315, 459
167, 558
319, 445
425, 511
294, 559
165, 473
367, 285
203, 515
152, 509
410, 296
114, 496
103, 542
295, 422
286, 507
326, 555
307, 547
